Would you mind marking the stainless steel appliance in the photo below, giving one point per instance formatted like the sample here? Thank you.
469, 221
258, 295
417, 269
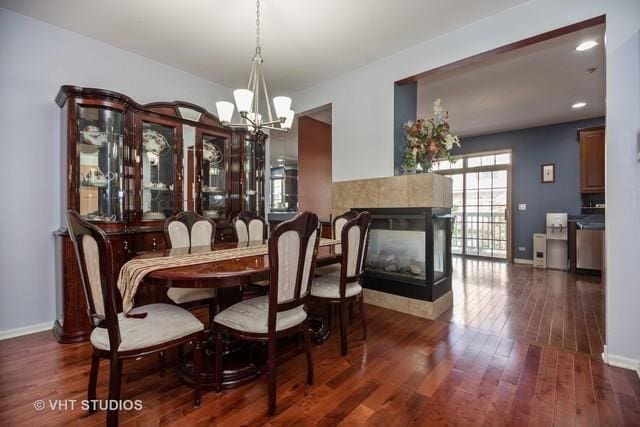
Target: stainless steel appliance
589, 245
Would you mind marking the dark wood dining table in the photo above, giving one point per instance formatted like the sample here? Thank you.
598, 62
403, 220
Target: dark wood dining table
242, 361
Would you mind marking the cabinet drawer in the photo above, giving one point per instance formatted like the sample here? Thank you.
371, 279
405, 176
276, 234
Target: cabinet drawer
153, 241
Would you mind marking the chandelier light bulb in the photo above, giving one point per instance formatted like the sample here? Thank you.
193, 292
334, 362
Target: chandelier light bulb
243, 98
289, 120
225, 111
282, 105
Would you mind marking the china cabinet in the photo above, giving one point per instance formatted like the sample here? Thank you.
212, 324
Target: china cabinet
127, 167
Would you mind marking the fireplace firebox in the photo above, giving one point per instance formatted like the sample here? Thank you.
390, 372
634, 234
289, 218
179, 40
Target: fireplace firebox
409, 252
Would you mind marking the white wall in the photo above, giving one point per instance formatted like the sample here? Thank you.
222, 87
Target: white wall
363, 125
35, 60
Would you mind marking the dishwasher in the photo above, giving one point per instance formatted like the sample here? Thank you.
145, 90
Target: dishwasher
589, 245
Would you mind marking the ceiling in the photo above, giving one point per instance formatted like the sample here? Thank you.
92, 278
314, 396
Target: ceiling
528, 87
304, 41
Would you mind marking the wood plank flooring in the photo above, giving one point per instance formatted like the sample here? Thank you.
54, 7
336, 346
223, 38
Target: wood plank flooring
520, 347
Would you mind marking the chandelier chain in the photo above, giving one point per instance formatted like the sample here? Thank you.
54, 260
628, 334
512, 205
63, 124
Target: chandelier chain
257, 26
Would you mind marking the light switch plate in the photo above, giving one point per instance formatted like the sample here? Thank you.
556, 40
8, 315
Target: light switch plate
522, 207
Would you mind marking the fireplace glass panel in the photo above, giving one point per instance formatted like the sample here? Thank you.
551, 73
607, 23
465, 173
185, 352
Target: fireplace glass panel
397, 247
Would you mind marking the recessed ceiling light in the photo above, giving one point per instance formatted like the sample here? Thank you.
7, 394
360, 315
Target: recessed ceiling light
587, 45
579, 104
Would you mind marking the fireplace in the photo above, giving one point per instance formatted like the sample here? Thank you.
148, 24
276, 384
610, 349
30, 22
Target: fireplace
409, 252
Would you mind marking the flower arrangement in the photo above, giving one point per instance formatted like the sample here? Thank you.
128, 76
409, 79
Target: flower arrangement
428, 140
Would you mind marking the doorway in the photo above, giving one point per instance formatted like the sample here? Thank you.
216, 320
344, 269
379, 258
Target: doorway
481, 204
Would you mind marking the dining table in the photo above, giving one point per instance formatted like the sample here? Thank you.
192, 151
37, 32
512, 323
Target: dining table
242, 362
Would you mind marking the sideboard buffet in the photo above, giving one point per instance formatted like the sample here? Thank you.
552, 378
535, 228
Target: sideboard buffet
126, 167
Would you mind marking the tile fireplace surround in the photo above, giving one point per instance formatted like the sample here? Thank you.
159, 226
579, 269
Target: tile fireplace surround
421, 190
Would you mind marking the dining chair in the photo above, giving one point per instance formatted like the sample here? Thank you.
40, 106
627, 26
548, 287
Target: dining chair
249, 227
145, 330
342, 288
186, 230
293, 247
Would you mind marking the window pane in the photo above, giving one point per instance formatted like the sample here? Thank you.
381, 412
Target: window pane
499, 213
472, 198
444, 164
485, 248
473, 162
500, 179
485, 197
500, 197
503, 159
484, 180
489, 160
458, 181
457, 198
472, 180
500, 231
457, 164
484, 214
471, 246
471, 229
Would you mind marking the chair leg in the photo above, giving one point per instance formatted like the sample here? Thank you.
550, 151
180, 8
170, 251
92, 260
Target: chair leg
307, 349
343, 328
115, 379
162, 364
271, 351
363, 318
218, 364
329, 317
93, 381
197, 372
212, 313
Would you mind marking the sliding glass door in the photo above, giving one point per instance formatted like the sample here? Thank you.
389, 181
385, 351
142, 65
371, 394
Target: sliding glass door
481, 200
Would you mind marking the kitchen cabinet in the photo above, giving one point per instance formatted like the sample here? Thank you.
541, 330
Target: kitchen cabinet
591, 160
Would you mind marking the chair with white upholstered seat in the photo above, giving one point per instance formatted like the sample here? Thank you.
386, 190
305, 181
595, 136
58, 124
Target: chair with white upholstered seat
343, 287
145, 330
186, 230
293, 247
249, 227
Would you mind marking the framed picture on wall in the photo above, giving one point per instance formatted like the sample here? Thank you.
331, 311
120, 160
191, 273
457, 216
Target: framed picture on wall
548, 173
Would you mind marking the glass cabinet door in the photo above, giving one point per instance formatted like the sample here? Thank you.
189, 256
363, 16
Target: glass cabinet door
101, 165
214, 176
158, 172
250, 190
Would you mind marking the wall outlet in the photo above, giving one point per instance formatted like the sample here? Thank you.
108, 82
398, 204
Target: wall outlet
522, 207
522, 249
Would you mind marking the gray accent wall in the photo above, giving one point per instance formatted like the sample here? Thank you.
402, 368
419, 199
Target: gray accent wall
405, 105
531, 148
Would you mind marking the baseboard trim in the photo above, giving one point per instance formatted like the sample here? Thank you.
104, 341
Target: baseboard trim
25, 330
621, 361
523, 261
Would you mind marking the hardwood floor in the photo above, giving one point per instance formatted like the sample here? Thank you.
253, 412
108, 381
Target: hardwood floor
520, 347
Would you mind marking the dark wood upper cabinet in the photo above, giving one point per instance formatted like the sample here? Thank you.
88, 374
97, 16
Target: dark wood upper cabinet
126, 167
591, 160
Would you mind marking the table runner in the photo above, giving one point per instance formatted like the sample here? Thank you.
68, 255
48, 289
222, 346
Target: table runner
135, 270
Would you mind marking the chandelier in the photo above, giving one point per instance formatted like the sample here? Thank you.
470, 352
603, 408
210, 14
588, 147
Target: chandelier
248, 100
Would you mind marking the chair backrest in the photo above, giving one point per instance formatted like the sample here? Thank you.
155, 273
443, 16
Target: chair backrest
187, 229
293, 247
249, 227
340, 221
94, 256
355, 239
